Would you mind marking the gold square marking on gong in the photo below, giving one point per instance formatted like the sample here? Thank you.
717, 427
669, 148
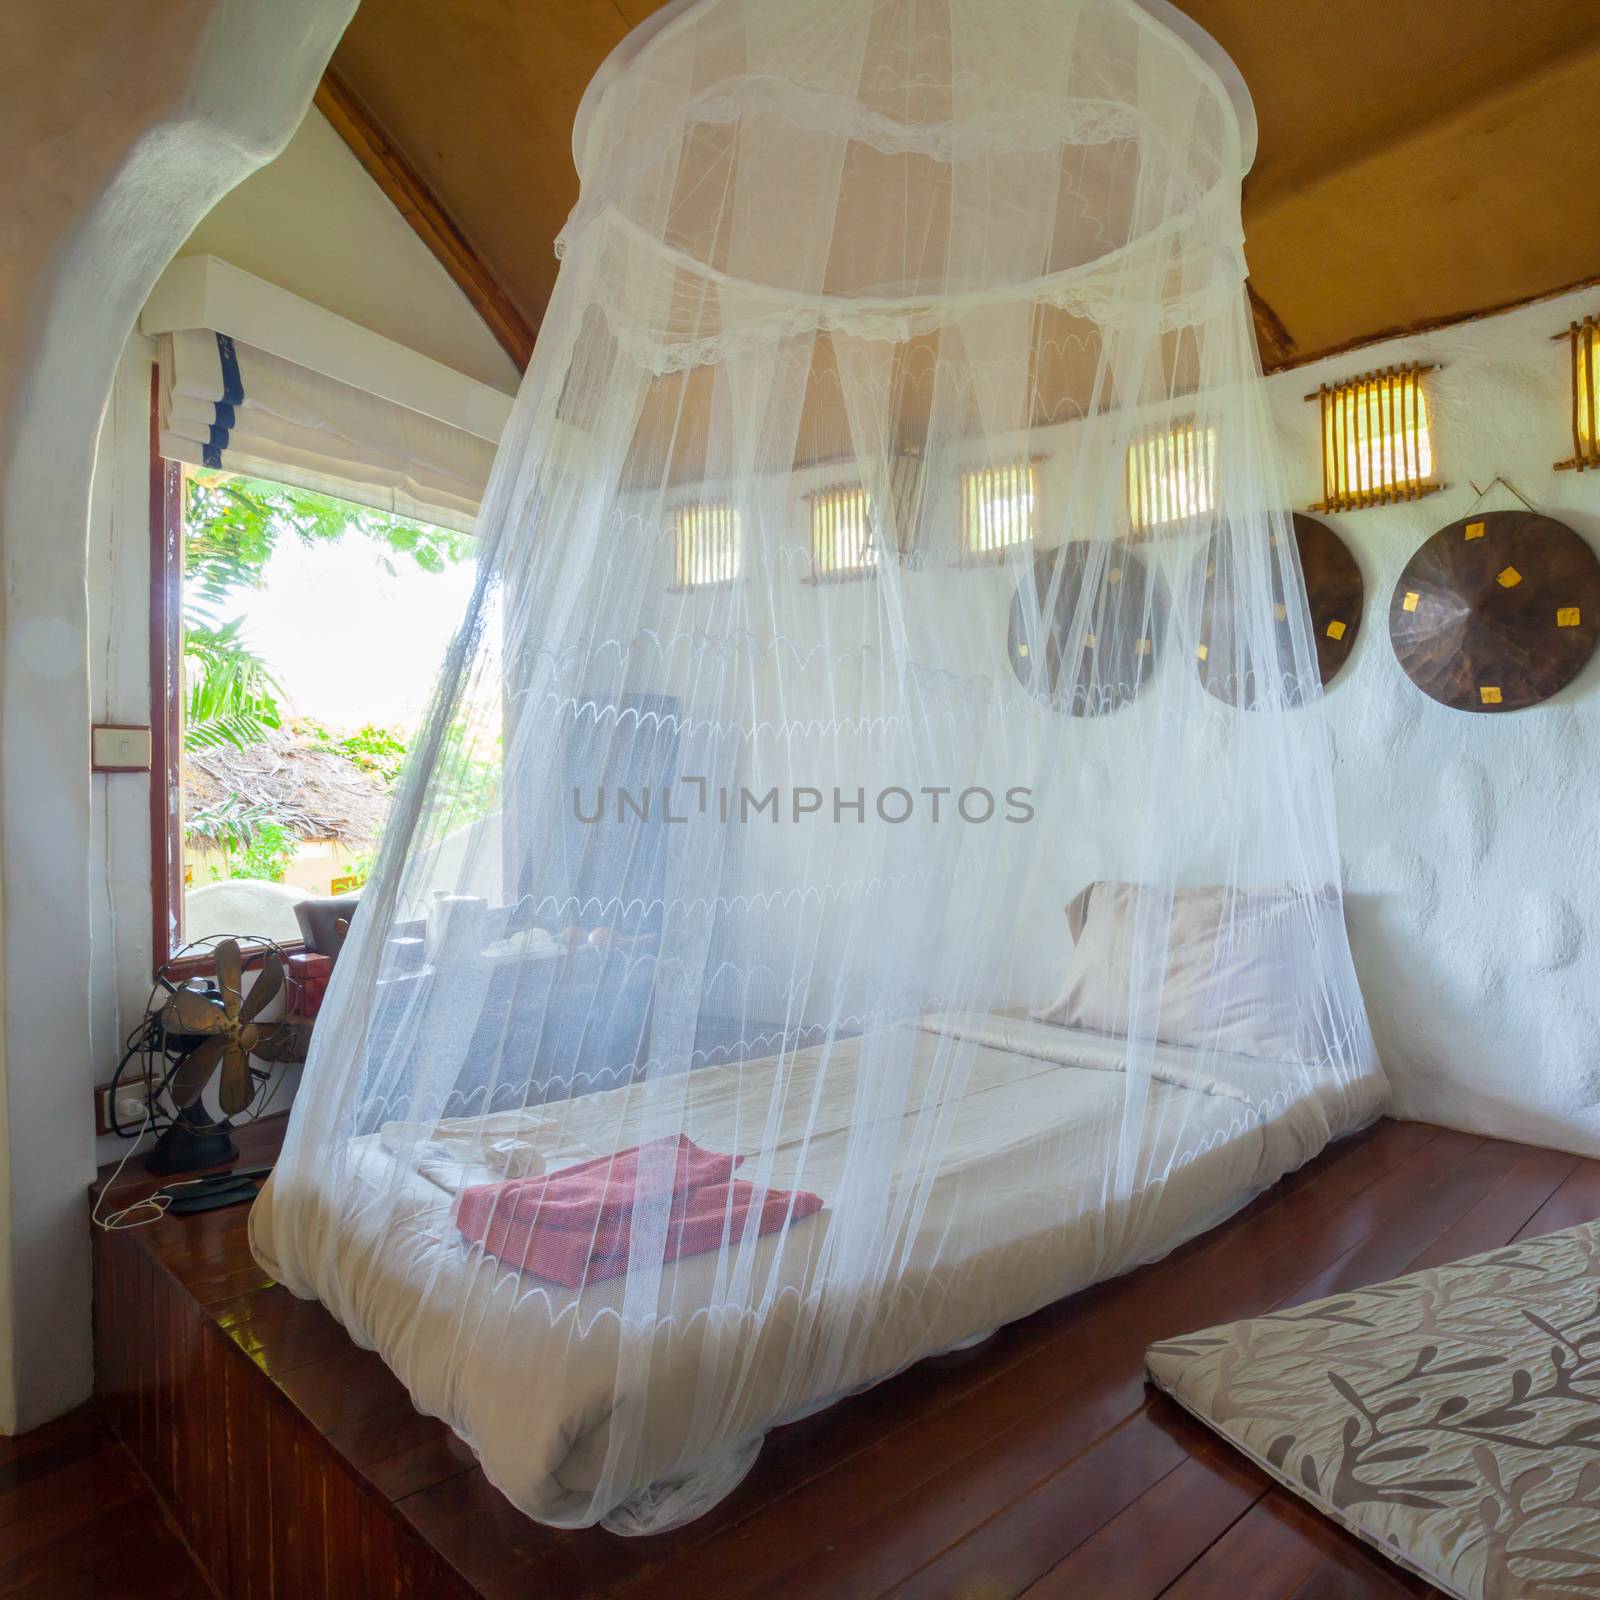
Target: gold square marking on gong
1142, 648
1410, 601
1474, 530
1280, 612
1088, 641
1202, 650
1568, 616
1508, 577
1335, 630
1022, 649
1489, 694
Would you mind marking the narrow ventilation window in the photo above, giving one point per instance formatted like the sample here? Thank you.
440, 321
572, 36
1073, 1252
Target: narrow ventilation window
999, 507
1172, 477
1584, 339
842, 537
706, 540
1376, 448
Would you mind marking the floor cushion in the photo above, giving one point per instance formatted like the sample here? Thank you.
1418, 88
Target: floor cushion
1450, 1418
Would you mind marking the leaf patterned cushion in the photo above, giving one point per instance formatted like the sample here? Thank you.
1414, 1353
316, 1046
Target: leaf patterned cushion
1450, 1418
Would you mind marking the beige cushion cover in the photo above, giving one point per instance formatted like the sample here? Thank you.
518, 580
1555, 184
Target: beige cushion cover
1451, 1418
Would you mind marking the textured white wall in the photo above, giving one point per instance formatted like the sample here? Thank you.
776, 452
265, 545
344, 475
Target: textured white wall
1471, 842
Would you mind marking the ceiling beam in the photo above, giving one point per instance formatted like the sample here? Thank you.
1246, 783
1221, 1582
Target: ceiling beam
416, 202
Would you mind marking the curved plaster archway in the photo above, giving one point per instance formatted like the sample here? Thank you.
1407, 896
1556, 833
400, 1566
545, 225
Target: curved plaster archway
123, 125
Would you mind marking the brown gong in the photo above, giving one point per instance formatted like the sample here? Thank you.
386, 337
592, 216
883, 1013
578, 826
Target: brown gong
1497, 611
1334, 593
1085, 628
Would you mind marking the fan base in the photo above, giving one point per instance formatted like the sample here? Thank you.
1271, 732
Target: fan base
189, 1143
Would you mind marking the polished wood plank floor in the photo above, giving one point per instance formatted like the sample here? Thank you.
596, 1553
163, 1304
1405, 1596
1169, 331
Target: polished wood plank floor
78, 1522
1037, 1464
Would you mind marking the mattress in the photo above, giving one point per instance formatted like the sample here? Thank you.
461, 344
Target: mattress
1055, 1168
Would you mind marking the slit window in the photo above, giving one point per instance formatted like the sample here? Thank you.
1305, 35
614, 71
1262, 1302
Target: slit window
1376, 445
999, 508
1172, 477
1584, 341
706, 545
843, 540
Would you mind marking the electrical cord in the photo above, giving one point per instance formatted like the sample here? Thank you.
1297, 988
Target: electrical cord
155, 1205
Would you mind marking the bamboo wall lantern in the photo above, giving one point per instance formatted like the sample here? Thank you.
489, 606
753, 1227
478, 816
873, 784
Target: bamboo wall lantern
1334, 595
1085, 640
1377, 447
1497, 612
1583, 339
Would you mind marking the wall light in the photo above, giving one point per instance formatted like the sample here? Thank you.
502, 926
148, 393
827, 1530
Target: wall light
1376, 447
1584, 341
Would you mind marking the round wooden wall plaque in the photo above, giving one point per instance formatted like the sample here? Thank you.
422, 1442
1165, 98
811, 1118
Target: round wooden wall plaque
1497, 612
1334, 593
1087, 653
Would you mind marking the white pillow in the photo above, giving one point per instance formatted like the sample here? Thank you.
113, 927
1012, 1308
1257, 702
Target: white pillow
1241, 971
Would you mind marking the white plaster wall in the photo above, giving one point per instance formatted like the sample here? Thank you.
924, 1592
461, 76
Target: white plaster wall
314, 223
1471, 842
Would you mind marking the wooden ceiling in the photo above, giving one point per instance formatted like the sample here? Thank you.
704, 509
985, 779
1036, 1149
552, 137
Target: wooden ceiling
1420, 161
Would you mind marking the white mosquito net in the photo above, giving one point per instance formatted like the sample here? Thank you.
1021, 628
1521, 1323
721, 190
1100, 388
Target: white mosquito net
870, 868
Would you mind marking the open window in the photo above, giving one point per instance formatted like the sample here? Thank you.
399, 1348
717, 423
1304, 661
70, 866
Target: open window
307, 640
311, 559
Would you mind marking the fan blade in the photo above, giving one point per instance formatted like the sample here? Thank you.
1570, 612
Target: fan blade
230, 970
237, 1088
188, 1012
283, 1042
190, 1075
268, 982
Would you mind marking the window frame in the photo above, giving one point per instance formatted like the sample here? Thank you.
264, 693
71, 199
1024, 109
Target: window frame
166, 717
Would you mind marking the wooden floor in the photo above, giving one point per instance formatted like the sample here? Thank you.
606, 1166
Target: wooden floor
78, 1522
1037, 1464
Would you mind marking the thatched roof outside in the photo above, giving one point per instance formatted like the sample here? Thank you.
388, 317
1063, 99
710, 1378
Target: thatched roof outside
319, 795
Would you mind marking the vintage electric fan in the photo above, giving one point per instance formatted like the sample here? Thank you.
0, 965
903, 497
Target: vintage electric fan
198, 1029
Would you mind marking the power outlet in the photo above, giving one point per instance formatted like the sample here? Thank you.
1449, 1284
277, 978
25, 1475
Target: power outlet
131, 1106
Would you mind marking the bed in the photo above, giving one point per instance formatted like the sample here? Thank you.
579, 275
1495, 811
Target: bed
1018, 1216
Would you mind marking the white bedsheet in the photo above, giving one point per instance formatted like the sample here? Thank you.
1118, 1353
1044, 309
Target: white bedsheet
1023, 1212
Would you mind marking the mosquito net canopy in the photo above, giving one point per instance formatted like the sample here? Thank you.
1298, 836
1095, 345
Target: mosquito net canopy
869, 870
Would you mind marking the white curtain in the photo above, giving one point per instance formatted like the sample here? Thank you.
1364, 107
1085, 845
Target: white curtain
227, 405
771, 1060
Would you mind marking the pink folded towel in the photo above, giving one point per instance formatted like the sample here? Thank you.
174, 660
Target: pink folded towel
575, 1226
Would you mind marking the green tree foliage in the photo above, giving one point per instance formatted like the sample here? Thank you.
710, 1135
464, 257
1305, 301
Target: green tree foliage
269, 854
380, 751
232, 526
230, 698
